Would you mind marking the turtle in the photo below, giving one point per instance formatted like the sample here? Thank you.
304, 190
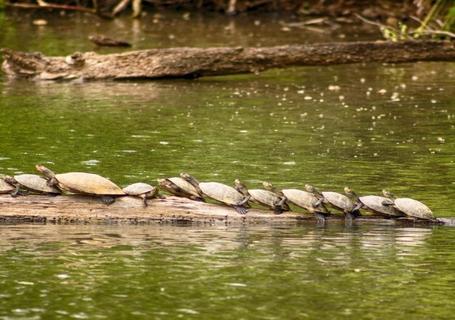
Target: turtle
263, 197
141, 190
375, 204
336, 200
83, 183
409, 207
302, 199
5, 187
180, 187
30, 183
220, 192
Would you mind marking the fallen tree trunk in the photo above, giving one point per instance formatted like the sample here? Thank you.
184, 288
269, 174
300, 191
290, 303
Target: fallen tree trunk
88, 210
198, 62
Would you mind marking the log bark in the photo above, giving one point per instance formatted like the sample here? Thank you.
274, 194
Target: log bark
198, 62
128, 210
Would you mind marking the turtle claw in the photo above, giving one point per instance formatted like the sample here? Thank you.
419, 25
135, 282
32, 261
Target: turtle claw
241, 209
107, 200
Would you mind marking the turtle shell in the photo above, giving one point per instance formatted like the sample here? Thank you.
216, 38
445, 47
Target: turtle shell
374, 204
221, 193
139, 188
35, 183
88, 183
302, 199
5, 187
184, 185
338, 200
414, 208
264, 197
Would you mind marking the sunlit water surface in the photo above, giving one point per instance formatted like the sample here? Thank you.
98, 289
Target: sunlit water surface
367, 126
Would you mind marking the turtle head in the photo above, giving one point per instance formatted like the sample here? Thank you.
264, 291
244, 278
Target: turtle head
310, 188
388, 194
350, 193
49, 174
240, 187
268, 186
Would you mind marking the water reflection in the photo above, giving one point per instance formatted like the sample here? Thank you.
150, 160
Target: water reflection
123, 271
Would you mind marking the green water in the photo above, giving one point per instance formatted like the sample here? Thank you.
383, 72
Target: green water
387, 126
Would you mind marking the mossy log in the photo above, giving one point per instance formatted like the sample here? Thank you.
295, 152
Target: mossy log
198, 62
128, 210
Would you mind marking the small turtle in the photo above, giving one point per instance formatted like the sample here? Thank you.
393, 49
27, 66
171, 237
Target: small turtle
220, 192
5, 187
30, 183
303, 199
410, 207
141, 190
180, 187
83, 183
336, 200
375, 204
264, 197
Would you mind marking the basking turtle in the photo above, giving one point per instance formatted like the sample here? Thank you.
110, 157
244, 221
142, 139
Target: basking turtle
220, 192
141, 190
375, 204
263, 197
180, 187
30, 183
5, 187
336, 200
302, 199
83, 183
410, 207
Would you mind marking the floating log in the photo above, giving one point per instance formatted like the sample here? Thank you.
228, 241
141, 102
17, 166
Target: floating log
129, 210
198, 62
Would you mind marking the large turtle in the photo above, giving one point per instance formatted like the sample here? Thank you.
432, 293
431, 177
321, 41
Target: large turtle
410, 207
336, 200
220, 192
5, 187
30, 183
141, 190
264, 197
83, 183
303, 199
180, 187
375, 204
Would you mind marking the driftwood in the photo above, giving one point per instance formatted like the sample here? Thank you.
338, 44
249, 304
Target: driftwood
197, 62
129, 210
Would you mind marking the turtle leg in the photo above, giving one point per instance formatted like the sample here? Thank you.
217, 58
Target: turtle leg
240, 209
16, 192
320, 218
144, 200
107, 200
277, 209
357, 207
244, 201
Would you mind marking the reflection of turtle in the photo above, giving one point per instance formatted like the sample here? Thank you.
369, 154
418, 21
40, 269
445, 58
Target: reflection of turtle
83, 183
141, 190
5, 187
264, 197
410, 207
30, 183
375, 204
302, 199
220, 192
180, 187
336, 200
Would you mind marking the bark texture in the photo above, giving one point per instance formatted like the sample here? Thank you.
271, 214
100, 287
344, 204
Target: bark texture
129, 210
198, 62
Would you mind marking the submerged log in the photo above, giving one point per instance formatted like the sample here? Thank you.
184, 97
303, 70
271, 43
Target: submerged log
129, 210
198, 62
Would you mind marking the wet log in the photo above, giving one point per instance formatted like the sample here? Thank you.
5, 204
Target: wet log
198, 62
129, 210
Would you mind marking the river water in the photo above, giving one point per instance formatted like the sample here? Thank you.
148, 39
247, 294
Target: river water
369, 126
